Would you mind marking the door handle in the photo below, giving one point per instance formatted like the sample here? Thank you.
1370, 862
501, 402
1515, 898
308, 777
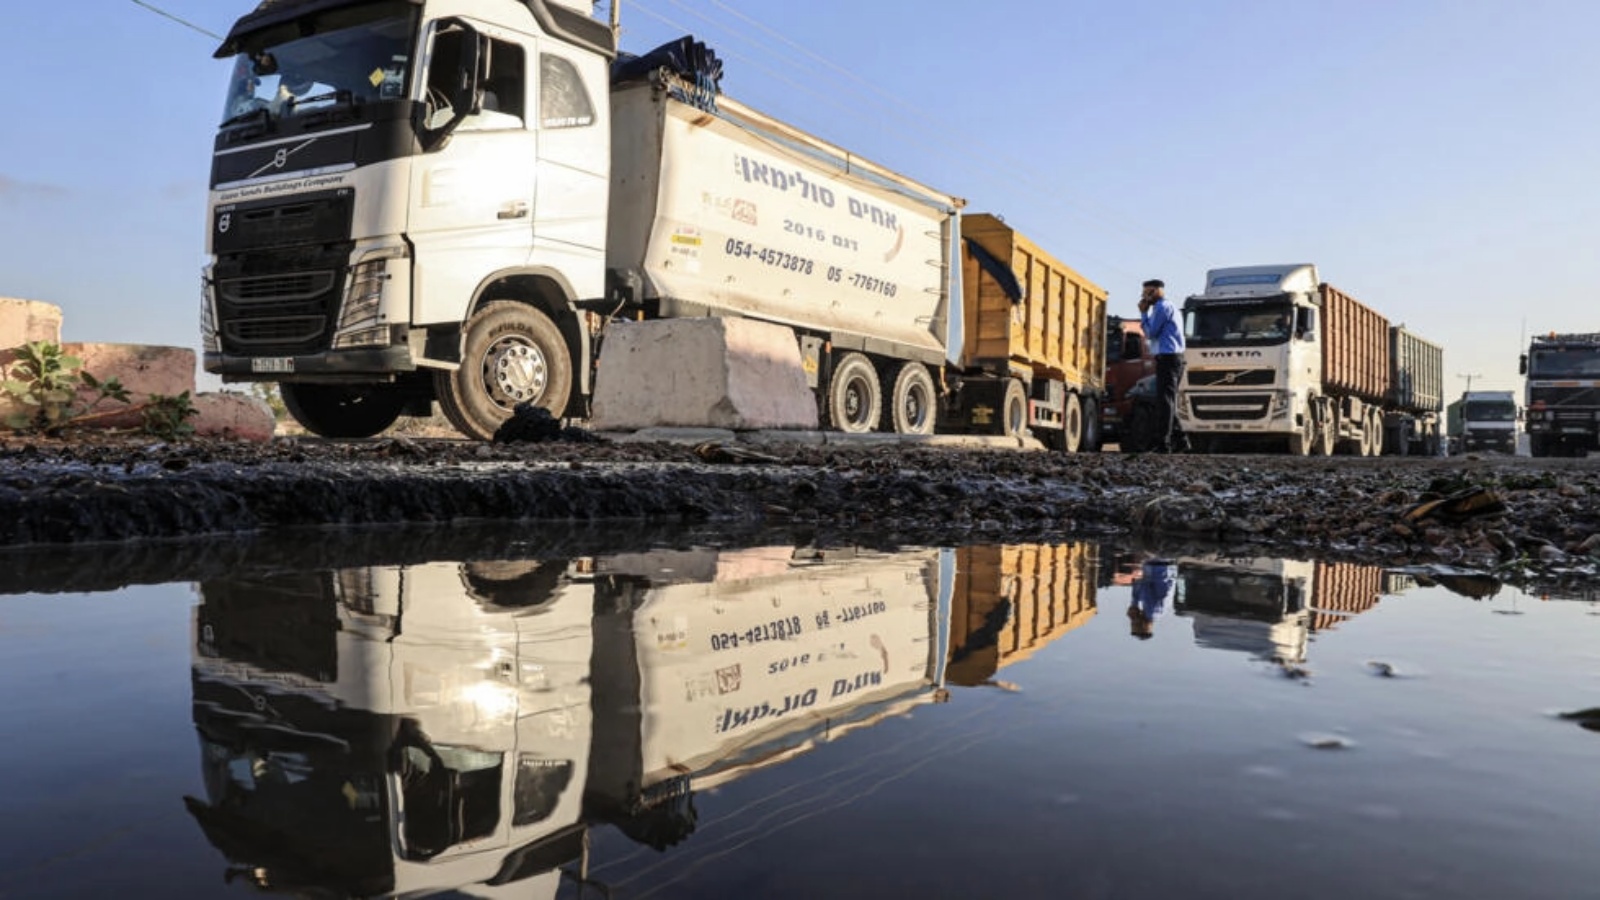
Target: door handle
516, 209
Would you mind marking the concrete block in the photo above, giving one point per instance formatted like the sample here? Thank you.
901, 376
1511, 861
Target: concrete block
235, 416
737, 374
22, 321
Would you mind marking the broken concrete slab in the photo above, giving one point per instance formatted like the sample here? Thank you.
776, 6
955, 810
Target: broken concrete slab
736, 374
22, 321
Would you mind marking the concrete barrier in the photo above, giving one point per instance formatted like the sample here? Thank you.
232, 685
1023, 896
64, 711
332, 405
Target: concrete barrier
736, 374
22, 321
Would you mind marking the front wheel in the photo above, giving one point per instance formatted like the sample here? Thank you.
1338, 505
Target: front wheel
512, 354
341, 411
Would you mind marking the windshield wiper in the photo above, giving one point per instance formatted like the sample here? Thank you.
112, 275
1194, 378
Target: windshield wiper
341, 96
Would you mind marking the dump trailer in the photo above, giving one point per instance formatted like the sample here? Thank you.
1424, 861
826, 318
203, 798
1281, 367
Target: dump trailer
1008, 601
1562, 404
1277, 358
1033, 356
1412, 421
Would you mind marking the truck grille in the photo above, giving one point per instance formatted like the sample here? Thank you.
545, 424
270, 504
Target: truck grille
1229, 407
277, 315
1247, 377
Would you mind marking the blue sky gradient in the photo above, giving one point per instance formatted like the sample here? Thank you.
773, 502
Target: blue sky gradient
1438, 159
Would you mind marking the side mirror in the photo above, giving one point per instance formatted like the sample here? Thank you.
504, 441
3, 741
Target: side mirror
459, 53
1522, 365
1305, 323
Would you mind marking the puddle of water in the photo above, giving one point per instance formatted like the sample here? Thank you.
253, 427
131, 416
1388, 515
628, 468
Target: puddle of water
564, 718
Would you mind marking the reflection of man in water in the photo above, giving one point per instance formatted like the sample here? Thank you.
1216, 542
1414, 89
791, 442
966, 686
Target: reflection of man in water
1150, 592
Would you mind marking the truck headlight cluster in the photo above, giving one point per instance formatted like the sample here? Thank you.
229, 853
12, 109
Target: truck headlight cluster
361, 321
208, 319
1280, 405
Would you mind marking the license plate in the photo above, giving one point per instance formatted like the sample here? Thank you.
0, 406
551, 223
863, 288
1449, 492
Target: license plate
272, 364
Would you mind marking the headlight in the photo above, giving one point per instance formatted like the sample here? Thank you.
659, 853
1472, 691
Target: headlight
208, 319
361, 302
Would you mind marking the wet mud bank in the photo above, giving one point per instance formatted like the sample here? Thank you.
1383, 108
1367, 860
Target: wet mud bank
1525, 521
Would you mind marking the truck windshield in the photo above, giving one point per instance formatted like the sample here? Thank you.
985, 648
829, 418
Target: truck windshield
1490, 411
353, 55
1583, 363
1255, 325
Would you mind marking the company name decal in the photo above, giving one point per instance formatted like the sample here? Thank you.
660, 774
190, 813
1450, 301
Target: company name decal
272, 189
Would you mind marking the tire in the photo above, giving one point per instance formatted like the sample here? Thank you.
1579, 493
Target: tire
1325, 443
1375, 426
341, 411
1072, 424
1014, 410
512, 354
1092, 435
1303, 443
1538, 445
913, 402
855, 398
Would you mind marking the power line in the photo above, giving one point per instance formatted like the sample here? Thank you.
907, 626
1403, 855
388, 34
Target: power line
184, 22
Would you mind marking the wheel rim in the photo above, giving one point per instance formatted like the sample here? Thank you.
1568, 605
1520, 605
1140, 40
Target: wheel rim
855, 401
516, 371
915, 408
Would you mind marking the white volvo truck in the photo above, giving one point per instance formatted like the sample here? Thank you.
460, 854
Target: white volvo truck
420, 201
1280, 360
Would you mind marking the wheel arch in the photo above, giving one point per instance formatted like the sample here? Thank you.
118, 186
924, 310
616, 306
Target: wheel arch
548, 291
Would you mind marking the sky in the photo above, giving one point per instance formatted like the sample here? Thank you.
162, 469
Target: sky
1437, 159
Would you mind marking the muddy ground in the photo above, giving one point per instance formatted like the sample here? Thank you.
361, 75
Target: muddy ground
1534, 523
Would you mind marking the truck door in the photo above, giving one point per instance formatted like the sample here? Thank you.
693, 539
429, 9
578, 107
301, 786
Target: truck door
574, 164
472, 195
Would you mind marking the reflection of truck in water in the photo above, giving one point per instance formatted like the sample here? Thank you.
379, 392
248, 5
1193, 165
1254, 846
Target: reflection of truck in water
1267, 607
1278, 358
410, 730
1562, 405
1483, 420
394, 731
758, 656
1008, 601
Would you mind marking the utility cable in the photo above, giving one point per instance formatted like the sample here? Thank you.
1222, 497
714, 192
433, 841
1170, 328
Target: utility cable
184, 22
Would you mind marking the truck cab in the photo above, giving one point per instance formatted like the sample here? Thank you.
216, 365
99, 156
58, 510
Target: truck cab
408, 203
1563, 394
1488, 421
1254, 358
1128, 360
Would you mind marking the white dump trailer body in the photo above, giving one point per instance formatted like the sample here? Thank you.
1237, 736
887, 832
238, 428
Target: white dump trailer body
735, 213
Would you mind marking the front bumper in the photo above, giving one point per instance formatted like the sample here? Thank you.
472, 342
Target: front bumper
353, 364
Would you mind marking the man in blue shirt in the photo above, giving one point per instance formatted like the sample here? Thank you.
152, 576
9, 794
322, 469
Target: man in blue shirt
1159, 318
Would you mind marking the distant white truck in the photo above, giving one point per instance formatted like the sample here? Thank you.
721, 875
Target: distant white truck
1278, 359
1485, 420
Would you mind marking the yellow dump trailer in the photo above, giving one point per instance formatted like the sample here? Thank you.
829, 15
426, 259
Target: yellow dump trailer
1033, 352
1010, 600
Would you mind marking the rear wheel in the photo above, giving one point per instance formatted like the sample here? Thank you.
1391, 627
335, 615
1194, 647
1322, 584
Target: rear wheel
1375, 428
912, 401
1072, 424
513, 354
341, 411
1014, 410
855, 398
